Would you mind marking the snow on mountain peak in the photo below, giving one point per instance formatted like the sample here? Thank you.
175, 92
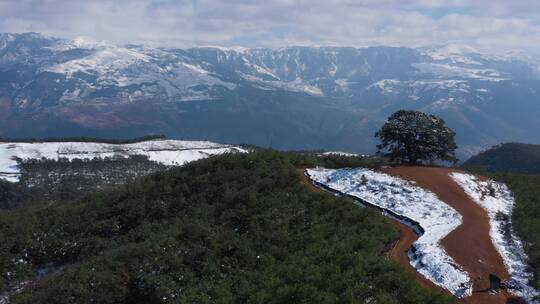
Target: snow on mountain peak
203, 73
456, 53
104, 60
79, 42
457, 49
228, 49
88, 43
5, 39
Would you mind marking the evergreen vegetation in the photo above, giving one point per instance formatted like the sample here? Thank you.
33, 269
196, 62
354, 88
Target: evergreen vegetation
513, 157
415, 137
49, 181
229, 229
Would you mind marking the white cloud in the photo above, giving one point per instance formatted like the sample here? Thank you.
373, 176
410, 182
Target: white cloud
485, 24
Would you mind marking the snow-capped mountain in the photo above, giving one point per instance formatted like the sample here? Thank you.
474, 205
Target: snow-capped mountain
320, 96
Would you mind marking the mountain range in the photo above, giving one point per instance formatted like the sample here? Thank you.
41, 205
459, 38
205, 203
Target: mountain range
331, 98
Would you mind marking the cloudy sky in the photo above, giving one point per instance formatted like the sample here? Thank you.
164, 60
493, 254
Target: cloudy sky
484, 24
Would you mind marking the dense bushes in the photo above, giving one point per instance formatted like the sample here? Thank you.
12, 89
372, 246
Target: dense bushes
229, 229
48, 181
11, 195
309, 159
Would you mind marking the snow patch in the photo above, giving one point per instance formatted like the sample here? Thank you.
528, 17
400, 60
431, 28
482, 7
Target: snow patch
387, 86
101, 61
294, 86
499, 202
195, 68
235, 49
407, 200
448, 70
80, 42
454, 53
415, 88
124, 67
166, 152
343, 83
339, 153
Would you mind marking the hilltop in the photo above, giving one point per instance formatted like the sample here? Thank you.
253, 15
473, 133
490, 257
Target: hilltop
231, 228
513, 157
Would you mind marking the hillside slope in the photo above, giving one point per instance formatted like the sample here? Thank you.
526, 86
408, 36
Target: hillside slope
512, 157
229, 229
36, 171
164, 152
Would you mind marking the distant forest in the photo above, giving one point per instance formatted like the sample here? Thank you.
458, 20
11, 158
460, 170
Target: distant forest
511, 157
82, 139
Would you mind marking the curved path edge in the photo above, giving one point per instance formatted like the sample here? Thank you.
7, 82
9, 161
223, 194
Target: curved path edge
459, 244
408, 229
470, 244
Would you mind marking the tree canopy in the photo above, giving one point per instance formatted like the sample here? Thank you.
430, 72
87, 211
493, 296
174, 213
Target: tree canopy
238, 228
414, 137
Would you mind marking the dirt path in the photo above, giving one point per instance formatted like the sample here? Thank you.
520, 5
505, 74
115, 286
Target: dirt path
469, 244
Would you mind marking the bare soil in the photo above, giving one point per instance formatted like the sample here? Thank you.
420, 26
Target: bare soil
469, 244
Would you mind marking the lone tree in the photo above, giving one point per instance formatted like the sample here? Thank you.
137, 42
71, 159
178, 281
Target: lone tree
413, 137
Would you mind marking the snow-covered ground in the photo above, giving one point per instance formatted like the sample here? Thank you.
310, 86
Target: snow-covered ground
405, 199
339, 153
167, 152
498, 202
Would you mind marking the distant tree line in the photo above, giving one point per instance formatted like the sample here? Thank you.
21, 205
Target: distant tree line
44, 181
512, 157
82, 139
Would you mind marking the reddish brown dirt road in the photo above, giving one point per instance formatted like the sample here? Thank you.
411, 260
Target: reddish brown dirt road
470, 244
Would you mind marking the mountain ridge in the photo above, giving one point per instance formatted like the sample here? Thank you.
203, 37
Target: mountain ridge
508, 157
322, 97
